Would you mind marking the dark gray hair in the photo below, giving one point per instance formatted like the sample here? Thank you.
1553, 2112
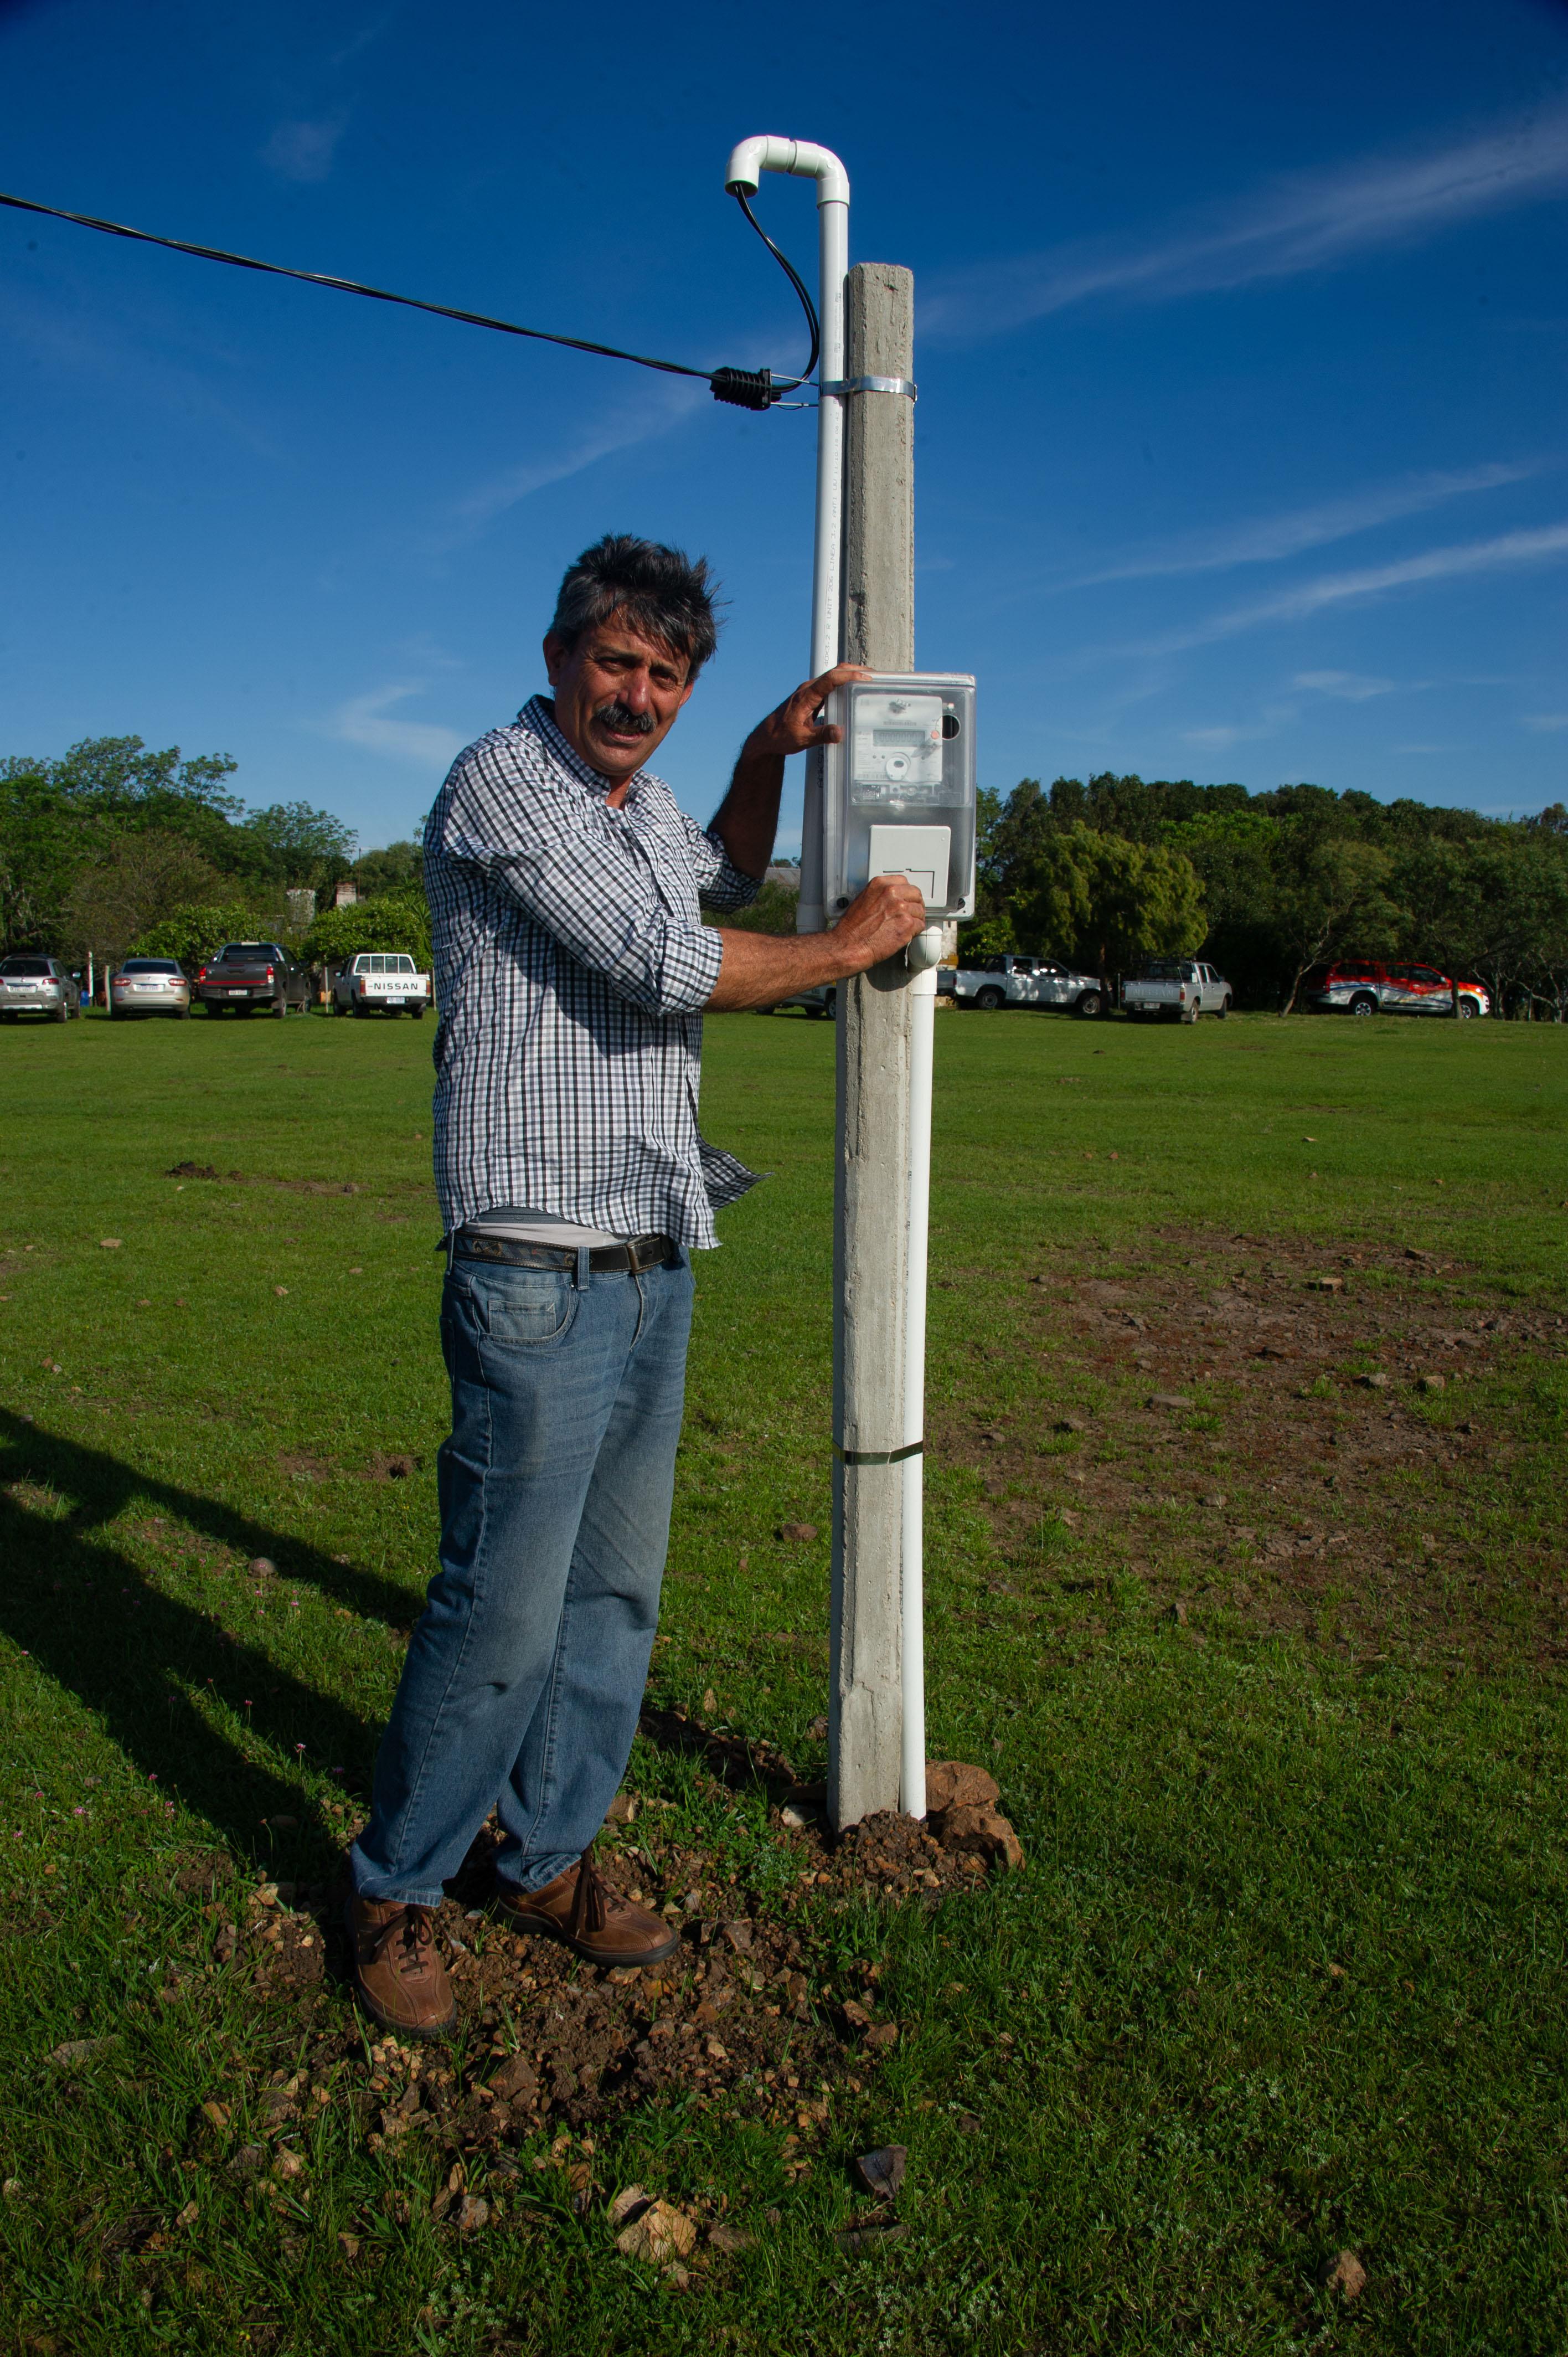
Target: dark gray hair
662, 593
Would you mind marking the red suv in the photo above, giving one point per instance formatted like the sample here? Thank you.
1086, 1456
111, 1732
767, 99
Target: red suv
1362, 986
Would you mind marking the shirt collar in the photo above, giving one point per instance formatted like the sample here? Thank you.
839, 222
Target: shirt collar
539, 715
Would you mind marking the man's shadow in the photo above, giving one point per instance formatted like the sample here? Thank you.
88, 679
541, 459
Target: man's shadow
142, 1660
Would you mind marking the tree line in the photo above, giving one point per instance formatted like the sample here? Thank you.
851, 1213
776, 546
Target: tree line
113, 849
1266, 885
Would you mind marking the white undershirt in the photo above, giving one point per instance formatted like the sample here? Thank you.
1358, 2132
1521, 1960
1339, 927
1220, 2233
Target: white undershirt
525, 1227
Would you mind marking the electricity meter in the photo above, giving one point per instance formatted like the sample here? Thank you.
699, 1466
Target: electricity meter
898, 793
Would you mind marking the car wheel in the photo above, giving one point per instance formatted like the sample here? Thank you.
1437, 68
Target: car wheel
1363, 1005
989, 1000
1466, 1009
417, 1013
1222, 1010
1190, 1014
1088, 1004
63, 1013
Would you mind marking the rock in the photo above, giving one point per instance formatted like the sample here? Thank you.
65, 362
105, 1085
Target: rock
710, 1703
856, 2016
1326, 1285
795, 1818
1212, 1498
249, 2161
1345, 2274
872, 2236
797, 1533
189, 2214
81, 2050
1170, 1400
472, 2212
622, 1809
1070, 1424
629, 2202
882, 2037
517, 2081
818, 1730
660, 2233
1377, 1382
262, 1566
882, 2172
1432, 1382
109, 1244
1178, 1613
953, 1784
981, 1833
738, 1935
730, 2239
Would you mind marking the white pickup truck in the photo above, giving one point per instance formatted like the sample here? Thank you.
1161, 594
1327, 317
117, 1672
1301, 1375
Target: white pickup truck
1178, 990
386, 981
1009, 981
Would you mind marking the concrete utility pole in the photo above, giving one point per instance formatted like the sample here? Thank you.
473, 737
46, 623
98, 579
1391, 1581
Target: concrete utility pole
871, 1191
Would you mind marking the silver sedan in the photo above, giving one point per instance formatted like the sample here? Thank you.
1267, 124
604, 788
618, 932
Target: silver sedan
148, 986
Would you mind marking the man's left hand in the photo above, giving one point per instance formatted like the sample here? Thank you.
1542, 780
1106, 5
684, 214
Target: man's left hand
798, 724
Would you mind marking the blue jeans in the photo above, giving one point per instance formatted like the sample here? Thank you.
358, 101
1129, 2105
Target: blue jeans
525, 1674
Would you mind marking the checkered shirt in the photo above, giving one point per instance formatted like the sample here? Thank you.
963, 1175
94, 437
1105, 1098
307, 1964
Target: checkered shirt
571, 961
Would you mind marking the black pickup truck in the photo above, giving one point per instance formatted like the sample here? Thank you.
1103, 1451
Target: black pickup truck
245, 975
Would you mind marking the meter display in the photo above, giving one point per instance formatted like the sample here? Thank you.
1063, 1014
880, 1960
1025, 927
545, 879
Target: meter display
898, 793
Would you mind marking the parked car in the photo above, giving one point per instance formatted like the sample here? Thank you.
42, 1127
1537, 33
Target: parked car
245, 975
1363, 986
1009, 981
37, 985
384, 979
1176, 990
148, 986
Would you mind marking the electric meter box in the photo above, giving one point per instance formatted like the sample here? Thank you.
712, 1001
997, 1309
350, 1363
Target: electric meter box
898, 792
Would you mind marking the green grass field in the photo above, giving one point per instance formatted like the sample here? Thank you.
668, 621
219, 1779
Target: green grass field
1286, 1974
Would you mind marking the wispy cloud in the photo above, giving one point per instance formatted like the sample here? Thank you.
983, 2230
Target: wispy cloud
1508, 552
1344, 686
365, 720
657, 409
304, 150
1545, 724
1269, 540
1308, 220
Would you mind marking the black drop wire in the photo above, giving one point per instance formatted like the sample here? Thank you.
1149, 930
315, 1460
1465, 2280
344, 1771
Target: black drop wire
744, 387
793, 275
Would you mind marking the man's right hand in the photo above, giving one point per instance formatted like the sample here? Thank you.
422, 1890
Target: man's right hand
880, 922
760, 969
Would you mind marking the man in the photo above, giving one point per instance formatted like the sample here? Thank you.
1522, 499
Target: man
572, 970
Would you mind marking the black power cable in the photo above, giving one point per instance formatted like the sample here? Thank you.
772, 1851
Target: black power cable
788, 267
743, 388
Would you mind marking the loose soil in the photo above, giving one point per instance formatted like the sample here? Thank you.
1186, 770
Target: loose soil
1298, 1438
754, 2012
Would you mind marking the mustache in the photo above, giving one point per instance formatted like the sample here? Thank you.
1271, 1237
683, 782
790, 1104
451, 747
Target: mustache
627, 724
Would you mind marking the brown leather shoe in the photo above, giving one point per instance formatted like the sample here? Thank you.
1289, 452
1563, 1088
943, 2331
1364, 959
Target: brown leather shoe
581, 1909
398, 1975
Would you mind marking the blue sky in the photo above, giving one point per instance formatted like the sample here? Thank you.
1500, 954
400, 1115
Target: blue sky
1241, 338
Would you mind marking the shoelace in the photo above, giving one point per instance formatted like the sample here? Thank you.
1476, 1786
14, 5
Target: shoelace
588, 1908
414, 1925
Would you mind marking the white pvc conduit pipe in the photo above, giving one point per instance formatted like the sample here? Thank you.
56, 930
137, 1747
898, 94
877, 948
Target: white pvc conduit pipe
804, 160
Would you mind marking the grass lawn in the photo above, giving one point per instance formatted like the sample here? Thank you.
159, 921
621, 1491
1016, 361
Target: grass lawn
1272, 1680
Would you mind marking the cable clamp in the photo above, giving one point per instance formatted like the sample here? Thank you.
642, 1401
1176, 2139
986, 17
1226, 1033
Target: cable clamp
872, 385
879, 1455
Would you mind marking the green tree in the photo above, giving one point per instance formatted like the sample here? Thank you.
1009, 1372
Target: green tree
195, 932
397, 921
302, 848
396, 868
113, 899
1331, 898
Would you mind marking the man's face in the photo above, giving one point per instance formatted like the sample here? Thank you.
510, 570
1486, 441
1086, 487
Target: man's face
616, 696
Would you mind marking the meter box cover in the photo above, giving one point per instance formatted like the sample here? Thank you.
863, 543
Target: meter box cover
898, 793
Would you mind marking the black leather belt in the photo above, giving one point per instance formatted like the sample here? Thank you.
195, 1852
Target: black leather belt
642, 1251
